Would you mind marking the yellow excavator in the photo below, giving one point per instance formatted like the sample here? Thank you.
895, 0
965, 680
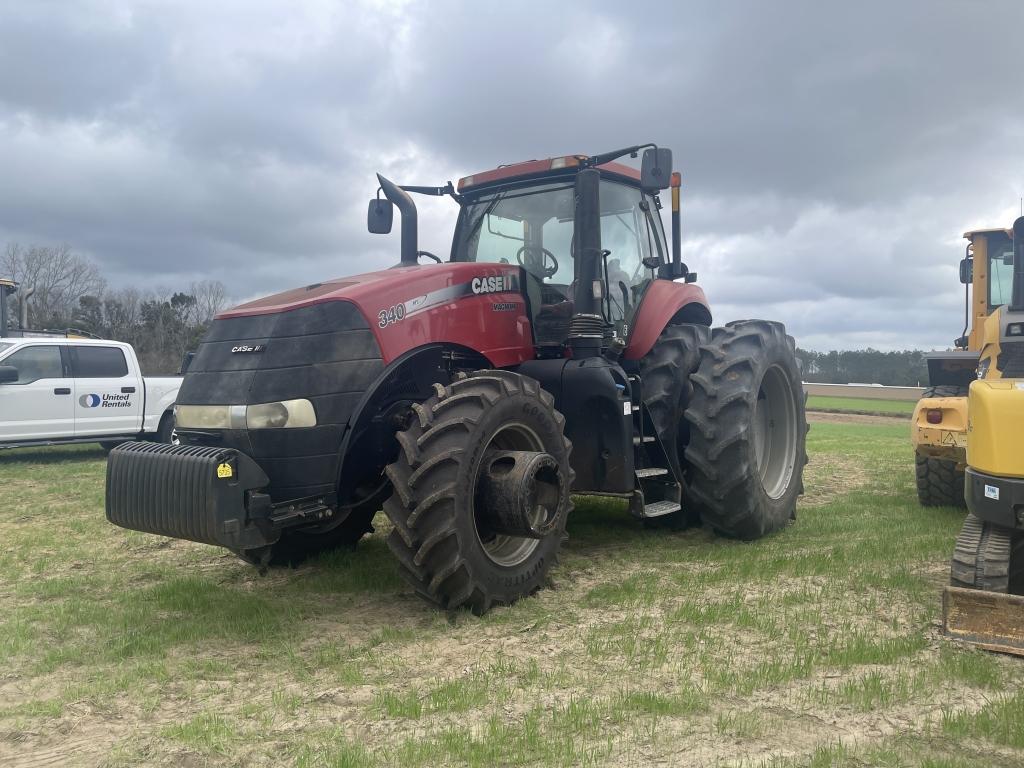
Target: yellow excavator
984, 603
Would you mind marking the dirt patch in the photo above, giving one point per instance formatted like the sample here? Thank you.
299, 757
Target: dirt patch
835, 417
828, 476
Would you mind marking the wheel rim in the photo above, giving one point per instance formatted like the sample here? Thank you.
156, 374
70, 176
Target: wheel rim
502, 549
775, 432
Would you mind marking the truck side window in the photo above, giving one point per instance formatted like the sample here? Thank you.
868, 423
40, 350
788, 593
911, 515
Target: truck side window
98, 362
37, 362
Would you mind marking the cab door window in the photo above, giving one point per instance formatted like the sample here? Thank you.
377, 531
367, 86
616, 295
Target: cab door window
98, 362
35, 363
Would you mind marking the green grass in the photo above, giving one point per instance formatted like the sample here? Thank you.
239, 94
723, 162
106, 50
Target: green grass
649, 645
860, 405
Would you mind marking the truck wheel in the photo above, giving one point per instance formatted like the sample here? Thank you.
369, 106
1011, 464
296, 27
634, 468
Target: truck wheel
988, 557
939, 482
481, 491
667, 391
747, 430
165, 432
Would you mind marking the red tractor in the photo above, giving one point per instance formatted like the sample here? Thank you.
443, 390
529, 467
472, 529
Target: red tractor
561, 349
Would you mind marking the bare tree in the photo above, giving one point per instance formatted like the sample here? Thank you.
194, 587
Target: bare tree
211, 298
58, 277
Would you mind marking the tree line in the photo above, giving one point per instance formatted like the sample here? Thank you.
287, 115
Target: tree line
64, 290
865, 366
68, 291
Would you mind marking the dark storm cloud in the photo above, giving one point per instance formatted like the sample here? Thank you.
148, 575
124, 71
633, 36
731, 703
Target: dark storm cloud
832, 153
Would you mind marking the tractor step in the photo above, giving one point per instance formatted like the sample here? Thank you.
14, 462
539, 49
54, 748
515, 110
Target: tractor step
646, 439
659, 508
651, 472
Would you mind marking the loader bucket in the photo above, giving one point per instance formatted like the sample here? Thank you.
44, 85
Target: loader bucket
990, 620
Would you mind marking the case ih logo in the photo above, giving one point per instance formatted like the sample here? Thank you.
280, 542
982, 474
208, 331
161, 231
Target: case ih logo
246, 349
493, 284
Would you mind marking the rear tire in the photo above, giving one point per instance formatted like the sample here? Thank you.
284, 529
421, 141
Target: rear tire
939, 482
667, 392
748, 431
988, 557
443, 549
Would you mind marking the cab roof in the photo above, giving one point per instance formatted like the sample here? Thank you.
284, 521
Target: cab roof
541, 168
971, 233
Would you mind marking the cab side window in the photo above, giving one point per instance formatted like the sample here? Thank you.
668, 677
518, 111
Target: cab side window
98, 362
37, 362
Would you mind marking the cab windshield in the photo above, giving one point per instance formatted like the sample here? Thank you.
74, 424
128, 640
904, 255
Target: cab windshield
1000, 269
533, 228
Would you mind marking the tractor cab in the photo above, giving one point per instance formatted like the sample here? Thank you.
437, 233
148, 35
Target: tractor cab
531, 224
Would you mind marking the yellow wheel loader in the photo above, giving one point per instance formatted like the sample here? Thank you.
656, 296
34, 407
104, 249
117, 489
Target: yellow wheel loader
984, 603
939, 431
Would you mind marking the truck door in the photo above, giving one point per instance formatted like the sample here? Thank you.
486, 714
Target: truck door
39, 405
108, 399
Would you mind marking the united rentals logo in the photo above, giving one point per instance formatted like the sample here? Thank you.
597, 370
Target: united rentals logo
105, 400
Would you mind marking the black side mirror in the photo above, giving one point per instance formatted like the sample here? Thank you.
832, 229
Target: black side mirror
656, 169
186, 361
8, 374
966, 270
379, 216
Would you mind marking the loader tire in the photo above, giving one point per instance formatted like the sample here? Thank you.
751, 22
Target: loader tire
441, 537
667, 390
939, 482
748, 430
988, 557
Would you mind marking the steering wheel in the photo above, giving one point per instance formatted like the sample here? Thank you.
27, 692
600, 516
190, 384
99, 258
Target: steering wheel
545, 271
429, 255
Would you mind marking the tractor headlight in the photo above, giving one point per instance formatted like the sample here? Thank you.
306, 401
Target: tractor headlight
285, 414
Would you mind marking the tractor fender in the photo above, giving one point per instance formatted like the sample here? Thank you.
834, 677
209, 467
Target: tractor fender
665, 302
368, 444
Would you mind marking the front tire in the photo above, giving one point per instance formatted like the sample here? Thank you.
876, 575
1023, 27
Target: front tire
444, 545
748, 431
940, 483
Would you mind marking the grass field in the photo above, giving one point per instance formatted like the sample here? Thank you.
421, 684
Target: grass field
860, 405
818, 646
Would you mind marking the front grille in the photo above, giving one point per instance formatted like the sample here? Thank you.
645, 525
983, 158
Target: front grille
323, 352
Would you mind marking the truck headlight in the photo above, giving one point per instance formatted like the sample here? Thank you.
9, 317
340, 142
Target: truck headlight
285, 414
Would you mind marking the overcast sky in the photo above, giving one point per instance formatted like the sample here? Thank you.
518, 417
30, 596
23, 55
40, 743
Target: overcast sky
832, 152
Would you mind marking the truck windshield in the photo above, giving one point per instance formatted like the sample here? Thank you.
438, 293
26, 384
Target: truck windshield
533, 227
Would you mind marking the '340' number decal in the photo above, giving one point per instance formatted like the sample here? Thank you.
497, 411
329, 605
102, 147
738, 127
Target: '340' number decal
390, 315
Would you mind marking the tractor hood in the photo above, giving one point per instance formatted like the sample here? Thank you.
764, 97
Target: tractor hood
476, 305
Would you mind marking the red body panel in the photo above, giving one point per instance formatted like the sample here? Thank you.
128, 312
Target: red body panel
661, 301
409, 307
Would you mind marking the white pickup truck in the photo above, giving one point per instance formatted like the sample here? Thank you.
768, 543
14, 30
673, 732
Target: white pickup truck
71, 390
